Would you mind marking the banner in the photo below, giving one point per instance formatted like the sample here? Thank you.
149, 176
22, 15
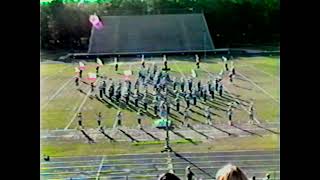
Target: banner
95, 21
92, 76
81, 66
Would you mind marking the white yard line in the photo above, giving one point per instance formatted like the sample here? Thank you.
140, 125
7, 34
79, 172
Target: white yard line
80, 107
56, 93
211, 74
165, 169
252, 67
263, 90
42, 79
100, 167
179, 69
162, 158
177, 174
146, 164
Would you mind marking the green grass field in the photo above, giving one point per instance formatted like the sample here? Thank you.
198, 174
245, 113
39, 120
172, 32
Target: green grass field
57, 112
226, 144
259, 81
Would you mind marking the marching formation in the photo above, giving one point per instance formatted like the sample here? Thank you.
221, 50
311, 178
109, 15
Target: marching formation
155, 91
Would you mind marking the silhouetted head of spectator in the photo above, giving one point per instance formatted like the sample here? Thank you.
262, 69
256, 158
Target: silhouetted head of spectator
268, 176
168, 176
230, 172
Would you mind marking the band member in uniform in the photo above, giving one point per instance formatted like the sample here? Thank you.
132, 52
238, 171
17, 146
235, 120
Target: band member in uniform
207, 113
77, 82
182, 84
139, 118
229, 113
79, 117
92, 86
186, 117
104, 87
99, 117
100, 90
197, 62
177, 104
230, 77
80, 73
119, 118
220, 90
116, 64
145, 103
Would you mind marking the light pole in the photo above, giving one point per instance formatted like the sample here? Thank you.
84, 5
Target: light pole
204, 44
167, 147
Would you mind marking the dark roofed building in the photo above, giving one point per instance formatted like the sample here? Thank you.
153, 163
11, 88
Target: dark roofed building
151, 33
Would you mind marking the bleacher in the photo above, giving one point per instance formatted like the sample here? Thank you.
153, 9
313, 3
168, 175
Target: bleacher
151, 33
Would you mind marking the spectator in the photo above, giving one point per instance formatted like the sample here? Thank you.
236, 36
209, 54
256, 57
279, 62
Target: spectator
267, 177
230, 172
189, 173
46, 158
168, 176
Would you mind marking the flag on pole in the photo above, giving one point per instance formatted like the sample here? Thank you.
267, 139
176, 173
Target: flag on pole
224, 59
92, 76
164, 58
76, 70
197, 57
81, 66
95, 21
193, 73
99, 62
127, 72
126, 78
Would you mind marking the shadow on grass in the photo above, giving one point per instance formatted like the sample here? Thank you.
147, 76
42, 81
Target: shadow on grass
201, 133
129, 136
229, 134
106, 135
155, 138
87, 136
242, 87
241, 78
106, 103
175, 118
196, 112
213, 106
247, 131
267, 129
180, 135
190, 162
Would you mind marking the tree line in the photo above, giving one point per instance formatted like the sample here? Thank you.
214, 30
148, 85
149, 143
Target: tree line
232, 23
